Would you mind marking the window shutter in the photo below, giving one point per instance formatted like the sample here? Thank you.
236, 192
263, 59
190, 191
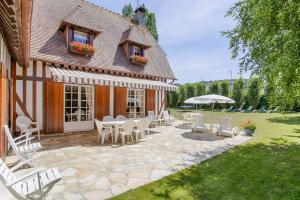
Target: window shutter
71, 34
91, 39
142, 52
131, 50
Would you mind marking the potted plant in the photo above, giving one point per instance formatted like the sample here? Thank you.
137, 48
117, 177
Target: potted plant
84, 49
138, 60
249, 127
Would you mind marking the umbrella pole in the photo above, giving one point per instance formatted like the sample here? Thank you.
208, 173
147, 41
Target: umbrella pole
212, 117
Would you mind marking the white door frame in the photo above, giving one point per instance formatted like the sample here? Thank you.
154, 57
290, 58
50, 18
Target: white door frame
79, 125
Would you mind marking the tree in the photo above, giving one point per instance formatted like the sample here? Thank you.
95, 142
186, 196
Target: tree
127, 11
237, 92
150, 18
214, 88
253, 92
173, 98
266, 40
225, 87
190, 90
182, 94
200, 89
151, 24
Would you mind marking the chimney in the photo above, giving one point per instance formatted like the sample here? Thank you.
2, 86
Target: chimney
140, 15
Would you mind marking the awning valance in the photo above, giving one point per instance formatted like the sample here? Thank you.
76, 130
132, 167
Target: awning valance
93, 78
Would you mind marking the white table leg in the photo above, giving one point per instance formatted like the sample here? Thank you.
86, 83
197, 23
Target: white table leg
116, 133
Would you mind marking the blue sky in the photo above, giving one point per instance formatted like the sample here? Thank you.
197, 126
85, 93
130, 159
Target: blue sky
189, 32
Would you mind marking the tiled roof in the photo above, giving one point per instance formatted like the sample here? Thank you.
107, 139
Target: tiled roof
137, 35
48, 43
79, 16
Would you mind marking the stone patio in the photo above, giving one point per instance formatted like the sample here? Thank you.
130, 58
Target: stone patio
92, 171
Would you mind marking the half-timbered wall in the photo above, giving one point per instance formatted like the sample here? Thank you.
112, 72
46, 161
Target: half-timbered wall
5, 65
30, 93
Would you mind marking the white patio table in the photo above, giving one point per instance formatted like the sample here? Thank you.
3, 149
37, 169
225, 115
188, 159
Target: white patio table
116, 125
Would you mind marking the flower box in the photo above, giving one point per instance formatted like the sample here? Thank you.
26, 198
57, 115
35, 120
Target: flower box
138, 60
249, 127
83, 49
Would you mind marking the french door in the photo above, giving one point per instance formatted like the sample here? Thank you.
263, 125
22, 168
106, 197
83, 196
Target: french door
79, 108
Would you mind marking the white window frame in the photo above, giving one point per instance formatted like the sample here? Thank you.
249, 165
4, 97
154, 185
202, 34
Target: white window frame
131, 111
81, 37
137, 51
71, 126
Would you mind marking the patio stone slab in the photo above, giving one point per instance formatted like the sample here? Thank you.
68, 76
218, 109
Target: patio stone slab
92, 171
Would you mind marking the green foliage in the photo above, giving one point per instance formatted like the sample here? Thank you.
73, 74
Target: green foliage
200, 89
237, 92
151, 24
253, 92
182, 95
173, 98
190, 90
225, 88
127, 11
214, 88
266, 39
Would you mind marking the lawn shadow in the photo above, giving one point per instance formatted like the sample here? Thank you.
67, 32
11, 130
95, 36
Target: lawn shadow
201, 136
286, 120
251, 171
184, 126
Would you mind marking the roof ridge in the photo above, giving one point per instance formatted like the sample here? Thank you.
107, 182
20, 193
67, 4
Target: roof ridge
101, 7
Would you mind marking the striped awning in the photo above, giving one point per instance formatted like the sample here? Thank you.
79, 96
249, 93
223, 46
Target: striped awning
93, 78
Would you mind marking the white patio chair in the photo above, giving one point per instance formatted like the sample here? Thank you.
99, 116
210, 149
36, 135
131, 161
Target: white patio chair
151, 118
121, 118
198, 123
24, 149
226, 128
109, 119
168, 119
186, 118
150, 123
33, 185
26, 125
126, 129
141, 127
103, 132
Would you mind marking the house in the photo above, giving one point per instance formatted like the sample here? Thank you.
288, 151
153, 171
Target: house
14, 49
87, 62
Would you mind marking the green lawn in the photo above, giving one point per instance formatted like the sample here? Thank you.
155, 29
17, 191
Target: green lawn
267, 167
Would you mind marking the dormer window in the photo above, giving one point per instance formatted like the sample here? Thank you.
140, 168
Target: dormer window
81, 37
137, 51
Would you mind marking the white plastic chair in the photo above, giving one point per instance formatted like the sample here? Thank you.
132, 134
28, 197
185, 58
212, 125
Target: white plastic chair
121, 118
226, 128
198, 122
33, 185
151, 118
24, 149
26, 125
126, 130
168, 119
141, 127
186, 118
103, 132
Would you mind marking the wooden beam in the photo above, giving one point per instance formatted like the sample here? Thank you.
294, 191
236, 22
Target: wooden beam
3, 117
13, 93
24, 85
30, 78
34, 93
23, 107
